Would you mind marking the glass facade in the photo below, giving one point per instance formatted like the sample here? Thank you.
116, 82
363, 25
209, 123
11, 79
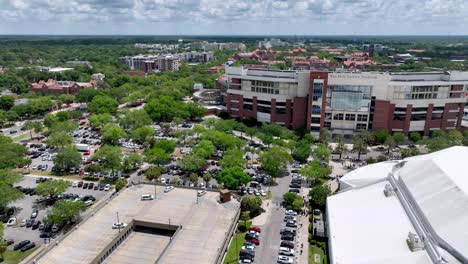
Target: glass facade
349, 97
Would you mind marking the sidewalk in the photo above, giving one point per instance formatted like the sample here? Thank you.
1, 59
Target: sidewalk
262, 218
303, 235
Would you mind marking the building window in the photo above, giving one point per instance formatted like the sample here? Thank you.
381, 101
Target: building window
280, 111
315, 120
436, 116
338, 117
247, 100
247, 107
418, 117
360, 126
361, 117
350, 117
399, 117
280, 103
327, 124
328, 116
263, 102
316, 109
263, 109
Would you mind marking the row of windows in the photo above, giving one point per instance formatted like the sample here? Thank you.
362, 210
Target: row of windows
264, 84
347, 117
417, 117
265, 90
359, 126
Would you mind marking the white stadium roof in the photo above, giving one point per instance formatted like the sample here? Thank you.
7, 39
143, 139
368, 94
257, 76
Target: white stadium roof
431, 200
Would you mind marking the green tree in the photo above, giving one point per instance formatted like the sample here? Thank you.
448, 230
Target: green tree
52, 187
109, 157
232, 158
134, 119
120, 184
63, 126
3, 247
398, 137
67, 158
302, 151
112, 133
340, 146
204, 149
275, 160
9, 193
194, 110
167, 145
315, 170
144, 134
324, 136
321, 153
59, 139
153, 173
293, 201
381, 136
100, 120
103, 104
359, 146
251, 203
131, 162
318, 196
7, 102
389, 143
157, 156
193, 177
415, 137
12, 154
191, 162
65, 211
35, 126
233, 177
206, 178
87, 95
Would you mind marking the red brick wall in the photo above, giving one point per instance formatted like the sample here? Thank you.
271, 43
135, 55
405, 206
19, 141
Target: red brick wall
299, 112
383, 115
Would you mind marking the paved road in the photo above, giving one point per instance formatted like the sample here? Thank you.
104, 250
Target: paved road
267, 252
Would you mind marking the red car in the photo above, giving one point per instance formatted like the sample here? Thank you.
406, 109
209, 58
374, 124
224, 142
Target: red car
256, 229
86, 153
87, 161
253, 240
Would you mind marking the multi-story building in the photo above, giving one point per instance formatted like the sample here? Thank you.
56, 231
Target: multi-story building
346, 102
61, 87
165, 62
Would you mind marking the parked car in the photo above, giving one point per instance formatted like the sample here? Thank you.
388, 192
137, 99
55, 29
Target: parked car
201, 193
287, 244
256, 229
9, 241
168, 189
147, 197
85, 185
289, 218
286, 251
21, 244
28, 247
119, 225
287, 237
291, 212
11, 221
45, 235
253, 240
80, 184
291, 224
285, 260
107, 187
35, 225
34, 213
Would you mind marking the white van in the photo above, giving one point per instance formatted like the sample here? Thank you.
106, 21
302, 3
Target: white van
147, 197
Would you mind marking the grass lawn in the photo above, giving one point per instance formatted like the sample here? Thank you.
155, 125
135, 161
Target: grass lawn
22, 136
14, 257
316, 250
232, 255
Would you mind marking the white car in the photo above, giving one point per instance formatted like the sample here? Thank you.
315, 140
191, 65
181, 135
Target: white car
257, 193
286, 251
119, 225
147, 197
89, 203
168, 189
12, 221
263, 193
107, 187
291, 212
163, 180
285, 260
75, 184
201, 193
23, 223
248, 247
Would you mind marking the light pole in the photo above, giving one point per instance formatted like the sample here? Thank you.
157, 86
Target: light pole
155, 193
118, 222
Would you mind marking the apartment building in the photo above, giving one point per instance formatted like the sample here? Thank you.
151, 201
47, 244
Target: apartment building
346, 102
149, 63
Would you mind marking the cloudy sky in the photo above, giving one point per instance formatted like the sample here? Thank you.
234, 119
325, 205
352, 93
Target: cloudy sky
235, 17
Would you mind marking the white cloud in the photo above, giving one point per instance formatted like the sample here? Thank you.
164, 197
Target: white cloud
248, 13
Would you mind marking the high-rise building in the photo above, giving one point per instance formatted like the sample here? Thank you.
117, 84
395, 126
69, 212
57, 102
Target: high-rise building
346, 102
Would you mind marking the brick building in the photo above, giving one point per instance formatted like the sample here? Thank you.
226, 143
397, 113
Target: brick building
61, 87
348, 102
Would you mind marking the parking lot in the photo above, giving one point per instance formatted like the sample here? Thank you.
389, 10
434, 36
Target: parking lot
25, 208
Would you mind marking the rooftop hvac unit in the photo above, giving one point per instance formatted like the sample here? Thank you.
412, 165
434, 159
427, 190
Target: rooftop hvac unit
389, 190
414, 242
